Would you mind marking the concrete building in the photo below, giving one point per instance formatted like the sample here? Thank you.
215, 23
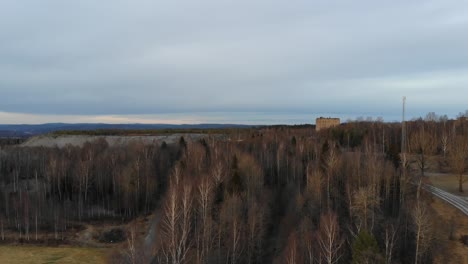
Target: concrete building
324, 123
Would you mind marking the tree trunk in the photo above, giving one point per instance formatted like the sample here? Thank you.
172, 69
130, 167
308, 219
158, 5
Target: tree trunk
36, 224
460, 183
417, 247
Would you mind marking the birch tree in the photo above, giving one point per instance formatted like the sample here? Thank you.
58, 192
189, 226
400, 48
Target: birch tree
422, 228
329, 238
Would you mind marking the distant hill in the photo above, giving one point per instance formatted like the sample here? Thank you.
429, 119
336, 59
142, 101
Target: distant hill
22, 131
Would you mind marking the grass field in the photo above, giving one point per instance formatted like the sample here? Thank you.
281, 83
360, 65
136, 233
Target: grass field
448, 183
454, 250
50, 255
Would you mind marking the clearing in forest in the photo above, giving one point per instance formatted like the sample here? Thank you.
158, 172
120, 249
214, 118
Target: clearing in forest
50, 255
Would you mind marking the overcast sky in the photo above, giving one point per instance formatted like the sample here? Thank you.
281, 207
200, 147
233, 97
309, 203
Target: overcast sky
230, 61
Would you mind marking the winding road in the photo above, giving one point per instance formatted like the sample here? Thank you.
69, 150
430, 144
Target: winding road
454, 200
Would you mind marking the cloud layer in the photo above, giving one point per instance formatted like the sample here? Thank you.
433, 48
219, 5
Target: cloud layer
162, 58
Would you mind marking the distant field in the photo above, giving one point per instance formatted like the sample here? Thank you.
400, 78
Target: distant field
448, 183
49, 141
50, 255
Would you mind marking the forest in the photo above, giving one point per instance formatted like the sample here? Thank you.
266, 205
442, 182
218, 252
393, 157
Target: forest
281, 194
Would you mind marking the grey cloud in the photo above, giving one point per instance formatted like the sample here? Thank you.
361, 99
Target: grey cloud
150, 57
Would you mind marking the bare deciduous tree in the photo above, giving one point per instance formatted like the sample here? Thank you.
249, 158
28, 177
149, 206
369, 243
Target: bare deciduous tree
390, 238
314, 185
329, 238
131, 246
365, 201
422, 226
205, 235
422, 143
331, 164
291, 255
255, 226
444, 143
458, 159
308, 241
177, 224
233, 227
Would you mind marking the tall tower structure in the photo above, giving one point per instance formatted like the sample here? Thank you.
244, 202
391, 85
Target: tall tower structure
403, 128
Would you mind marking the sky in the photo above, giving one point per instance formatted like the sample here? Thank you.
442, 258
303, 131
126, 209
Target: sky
218, 61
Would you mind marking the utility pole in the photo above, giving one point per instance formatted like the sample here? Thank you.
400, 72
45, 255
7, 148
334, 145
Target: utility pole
403, 128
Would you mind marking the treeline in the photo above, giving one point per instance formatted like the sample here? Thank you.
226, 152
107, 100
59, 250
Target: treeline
50, 188
273, 195
148, 132
7, 141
